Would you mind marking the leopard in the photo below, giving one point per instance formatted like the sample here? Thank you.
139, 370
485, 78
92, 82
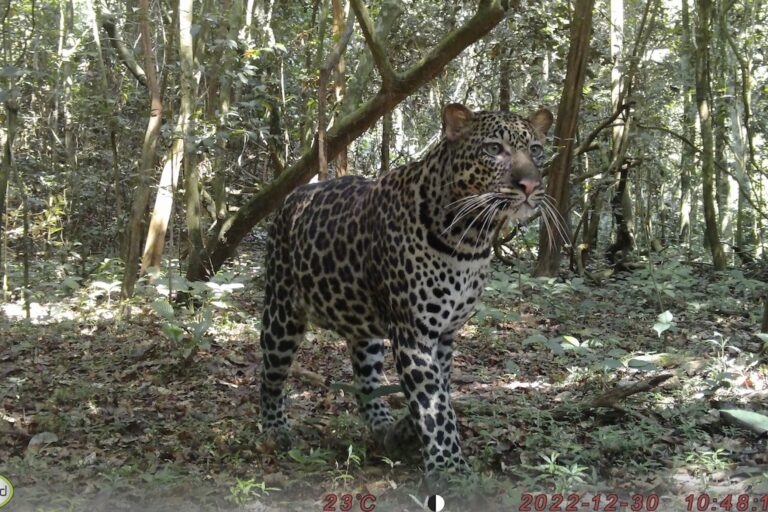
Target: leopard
403, 257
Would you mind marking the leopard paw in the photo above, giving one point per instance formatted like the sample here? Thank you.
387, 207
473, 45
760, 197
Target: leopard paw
277, 439
401, 437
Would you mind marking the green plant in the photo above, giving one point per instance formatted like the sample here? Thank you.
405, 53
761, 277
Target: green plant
352, 459
565, 477
246, 490
708, 462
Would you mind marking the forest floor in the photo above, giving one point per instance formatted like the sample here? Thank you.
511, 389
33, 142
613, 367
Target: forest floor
564, 388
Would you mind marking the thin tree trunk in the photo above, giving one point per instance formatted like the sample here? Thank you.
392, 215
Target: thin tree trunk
12, 114
704, 104
177, 155
111, 119
325, 71
191, 172
504, 68
386, 142
688, 154
147, 161
548, 262
339, 80
592, 225
66, 53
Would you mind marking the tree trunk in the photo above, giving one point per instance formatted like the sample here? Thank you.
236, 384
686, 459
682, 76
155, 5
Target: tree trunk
67, 47
339, 80
147, 162
228, 233
558, 188
177, 155
504, 68
111, 118
191, 172
12, 114
704, 104
592, 224
688, 154
386, 142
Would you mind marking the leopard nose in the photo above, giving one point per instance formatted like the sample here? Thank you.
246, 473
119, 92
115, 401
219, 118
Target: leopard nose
529, 185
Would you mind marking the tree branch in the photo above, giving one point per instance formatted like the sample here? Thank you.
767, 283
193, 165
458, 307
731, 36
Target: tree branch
378, 51
229, 232
586, 145
126, 55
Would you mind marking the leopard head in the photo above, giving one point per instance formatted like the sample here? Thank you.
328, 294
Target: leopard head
495, 158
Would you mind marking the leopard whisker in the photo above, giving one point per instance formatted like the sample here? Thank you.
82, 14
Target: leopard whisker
557, 219
488, 222
491, 205
551, 214
546, 221
479, 202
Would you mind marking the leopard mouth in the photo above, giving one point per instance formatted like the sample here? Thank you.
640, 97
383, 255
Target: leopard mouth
519, 203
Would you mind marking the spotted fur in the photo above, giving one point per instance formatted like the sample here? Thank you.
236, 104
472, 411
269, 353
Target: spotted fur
404, 258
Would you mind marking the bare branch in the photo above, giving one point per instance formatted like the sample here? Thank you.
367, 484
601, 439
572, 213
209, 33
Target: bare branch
587, 144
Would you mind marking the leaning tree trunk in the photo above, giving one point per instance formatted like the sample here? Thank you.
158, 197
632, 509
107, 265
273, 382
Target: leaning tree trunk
394, 89
147, 162
565, 131
704, 103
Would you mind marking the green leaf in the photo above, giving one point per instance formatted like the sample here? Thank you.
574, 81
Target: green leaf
42, 438
173, 332
610, 363
512, 367
163, 308
535, 338
660, 327
750, 420
639, 364
71, 282
379, 392
555, 347
663, 322
571, 341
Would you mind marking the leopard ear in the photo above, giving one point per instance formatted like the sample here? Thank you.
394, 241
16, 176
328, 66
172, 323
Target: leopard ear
456, 121
542, 121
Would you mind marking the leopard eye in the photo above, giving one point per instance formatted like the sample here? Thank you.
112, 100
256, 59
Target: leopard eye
537, 152
493, 148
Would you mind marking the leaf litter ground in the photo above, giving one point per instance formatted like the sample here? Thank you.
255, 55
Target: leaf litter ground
109, 411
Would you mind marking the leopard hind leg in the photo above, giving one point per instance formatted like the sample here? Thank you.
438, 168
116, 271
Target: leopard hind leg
282, 329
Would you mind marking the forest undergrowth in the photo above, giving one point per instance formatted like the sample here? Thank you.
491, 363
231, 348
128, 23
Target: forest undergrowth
636, 387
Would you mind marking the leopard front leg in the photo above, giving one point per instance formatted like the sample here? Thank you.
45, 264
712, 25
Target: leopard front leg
420, 365
367, 364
